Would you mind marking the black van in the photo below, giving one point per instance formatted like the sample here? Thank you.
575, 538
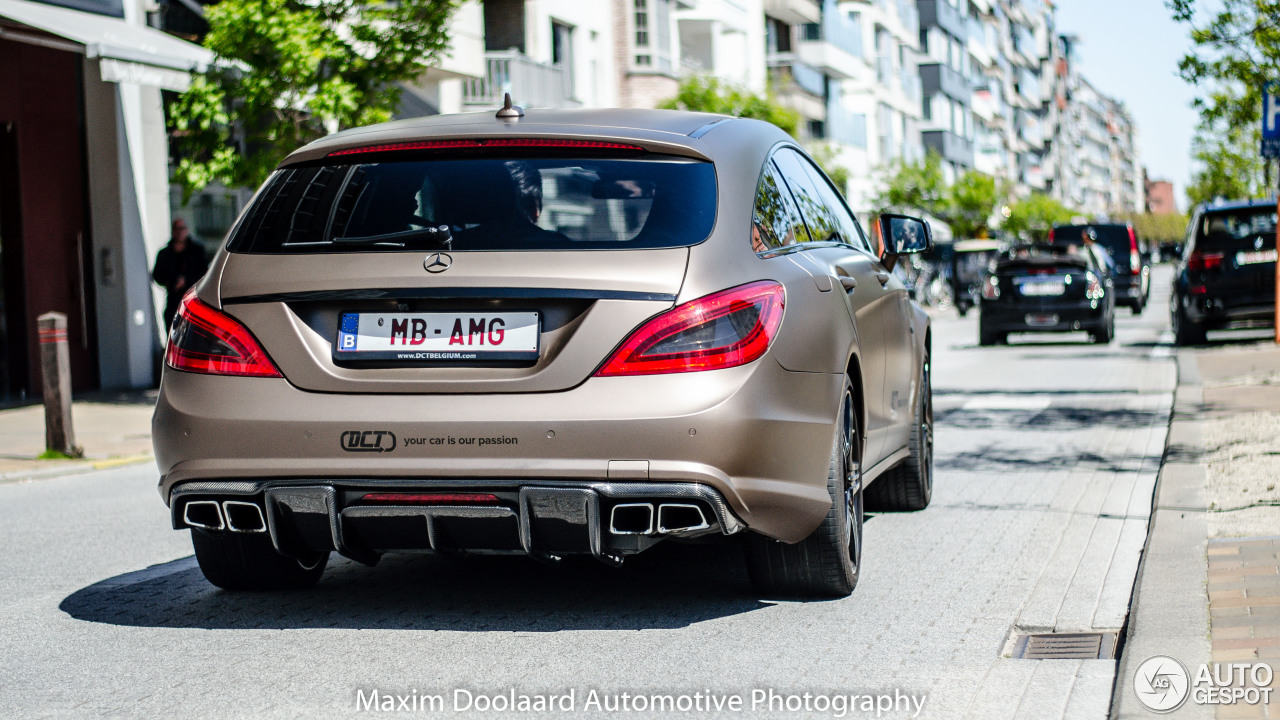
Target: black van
1132, 257
1227, 276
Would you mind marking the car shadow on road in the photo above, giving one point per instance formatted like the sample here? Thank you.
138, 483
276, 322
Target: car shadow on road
670, 586
1054, 419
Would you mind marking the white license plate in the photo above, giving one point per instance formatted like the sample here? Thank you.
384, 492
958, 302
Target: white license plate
1042, 289
1042, 320
458, 336
1254, 257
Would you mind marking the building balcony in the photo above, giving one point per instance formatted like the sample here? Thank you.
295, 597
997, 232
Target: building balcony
798, 86
531, 83
834, 45
795, 12
936, 77
845, 127
941, 14
950, 146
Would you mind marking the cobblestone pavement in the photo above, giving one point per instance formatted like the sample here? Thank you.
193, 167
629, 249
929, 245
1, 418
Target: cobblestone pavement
1047, 451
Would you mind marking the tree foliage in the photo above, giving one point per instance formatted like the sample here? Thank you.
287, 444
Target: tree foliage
970, 201
1235, 52
1228, 164
291, 71
966, 205
914, 187
705, 93
1163, 228
1030, 218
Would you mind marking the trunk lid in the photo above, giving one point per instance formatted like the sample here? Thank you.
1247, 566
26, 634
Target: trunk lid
586, 303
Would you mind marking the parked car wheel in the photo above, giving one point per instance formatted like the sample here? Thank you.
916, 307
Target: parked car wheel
990, 337
249, 562
1186, 332
826, 563
910, 485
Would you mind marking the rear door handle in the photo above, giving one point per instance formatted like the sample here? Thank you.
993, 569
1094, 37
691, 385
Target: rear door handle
848, 283
883, 277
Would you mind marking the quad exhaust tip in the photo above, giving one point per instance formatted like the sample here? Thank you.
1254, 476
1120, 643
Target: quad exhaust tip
243, 517
234, 515
631, 519
204, 514
681, 517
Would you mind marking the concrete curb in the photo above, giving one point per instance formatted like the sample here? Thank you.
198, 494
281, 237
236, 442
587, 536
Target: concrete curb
1169, 613
75, 468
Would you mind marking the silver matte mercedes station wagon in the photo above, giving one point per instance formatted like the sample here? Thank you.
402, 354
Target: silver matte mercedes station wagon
550, 332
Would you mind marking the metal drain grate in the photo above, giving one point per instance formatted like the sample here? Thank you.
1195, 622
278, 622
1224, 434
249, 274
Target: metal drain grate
1066, 646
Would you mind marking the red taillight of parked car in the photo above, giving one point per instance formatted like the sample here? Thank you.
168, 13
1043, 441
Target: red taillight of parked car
206, 341
722, 330
1135, 260
1204, 261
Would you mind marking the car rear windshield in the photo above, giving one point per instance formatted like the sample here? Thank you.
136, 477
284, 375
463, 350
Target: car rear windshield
524, 203
1237, 229
1115, 238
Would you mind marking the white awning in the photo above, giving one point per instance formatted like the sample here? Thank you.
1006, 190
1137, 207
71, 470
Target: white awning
105, 37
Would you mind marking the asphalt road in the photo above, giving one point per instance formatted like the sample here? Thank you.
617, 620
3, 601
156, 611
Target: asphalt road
1047, 452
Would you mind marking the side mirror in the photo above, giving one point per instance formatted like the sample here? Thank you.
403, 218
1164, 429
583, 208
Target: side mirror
905, 235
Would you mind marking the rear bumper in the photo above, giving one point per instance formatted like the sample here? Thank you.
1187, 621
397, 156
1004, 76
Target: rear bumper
1069, 317
757, 435
1220, 313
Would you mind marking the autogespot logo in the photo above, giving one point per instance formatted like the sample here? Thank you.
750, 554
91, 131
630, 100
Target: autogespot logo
1162, 684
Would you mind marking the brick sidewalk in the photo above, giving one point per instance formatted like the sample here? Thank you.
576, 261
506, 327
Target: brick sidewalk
1244, 609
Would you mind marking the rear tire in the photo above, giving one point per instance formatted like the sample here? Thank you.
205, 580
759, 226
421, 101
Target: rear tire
826, 563
1186, 332
235, 561
989, 337
1106, 333
1138, 306
909, 487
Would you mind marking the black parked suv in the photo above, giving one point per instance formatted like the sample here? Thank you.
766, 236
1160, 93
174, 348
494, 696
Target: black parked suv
1131, 255
1227, 276
1047, 288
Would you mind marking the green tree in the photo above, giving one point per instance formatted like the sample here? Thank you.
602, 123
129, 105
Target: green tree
1228, 164
914, 187
705, 93
291, 71
1235, 52
1165, 228
970, 201
1030, 218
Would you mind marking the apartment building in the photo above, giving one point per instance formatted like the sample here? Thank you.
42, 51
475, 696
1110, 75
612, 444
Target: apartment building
946, 115
1096, 168
887, 94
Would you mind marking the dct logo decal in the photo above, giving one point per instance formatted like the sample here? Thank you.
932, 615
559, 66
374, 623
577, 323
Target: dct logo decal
378, 441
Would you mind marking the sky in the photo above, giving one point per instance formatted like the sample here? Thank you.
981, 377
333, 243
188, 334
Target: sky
1129, 49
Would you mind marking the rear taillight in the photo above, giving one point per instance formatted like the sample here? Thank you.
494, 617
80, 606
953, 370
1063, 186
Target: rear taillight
1198, 290
1204, 261
204, 340
723, 330
1093, 287
1135, 262
991, 288
1051, 236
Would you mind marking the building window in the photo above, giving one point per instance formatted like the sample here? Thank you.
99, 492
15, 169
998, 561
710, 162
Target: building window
642, 24
817, 129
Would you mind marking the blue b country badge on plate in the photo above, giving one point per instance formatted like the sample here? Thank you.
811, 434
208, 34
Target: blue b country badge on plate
348, 331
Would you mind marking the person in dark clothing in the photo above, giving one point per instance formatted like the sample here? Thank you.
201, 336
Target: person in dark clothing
179, 265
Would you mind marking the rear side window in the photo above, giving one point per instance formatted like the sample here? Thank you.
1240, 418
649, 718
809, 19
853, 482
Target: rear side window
1237, 229
776, 222
812, 204
525, 203
1114, 238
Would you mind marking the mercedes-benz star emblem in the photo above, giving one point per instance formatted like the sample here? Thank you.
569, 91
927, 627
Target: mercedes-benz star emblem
437, 262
